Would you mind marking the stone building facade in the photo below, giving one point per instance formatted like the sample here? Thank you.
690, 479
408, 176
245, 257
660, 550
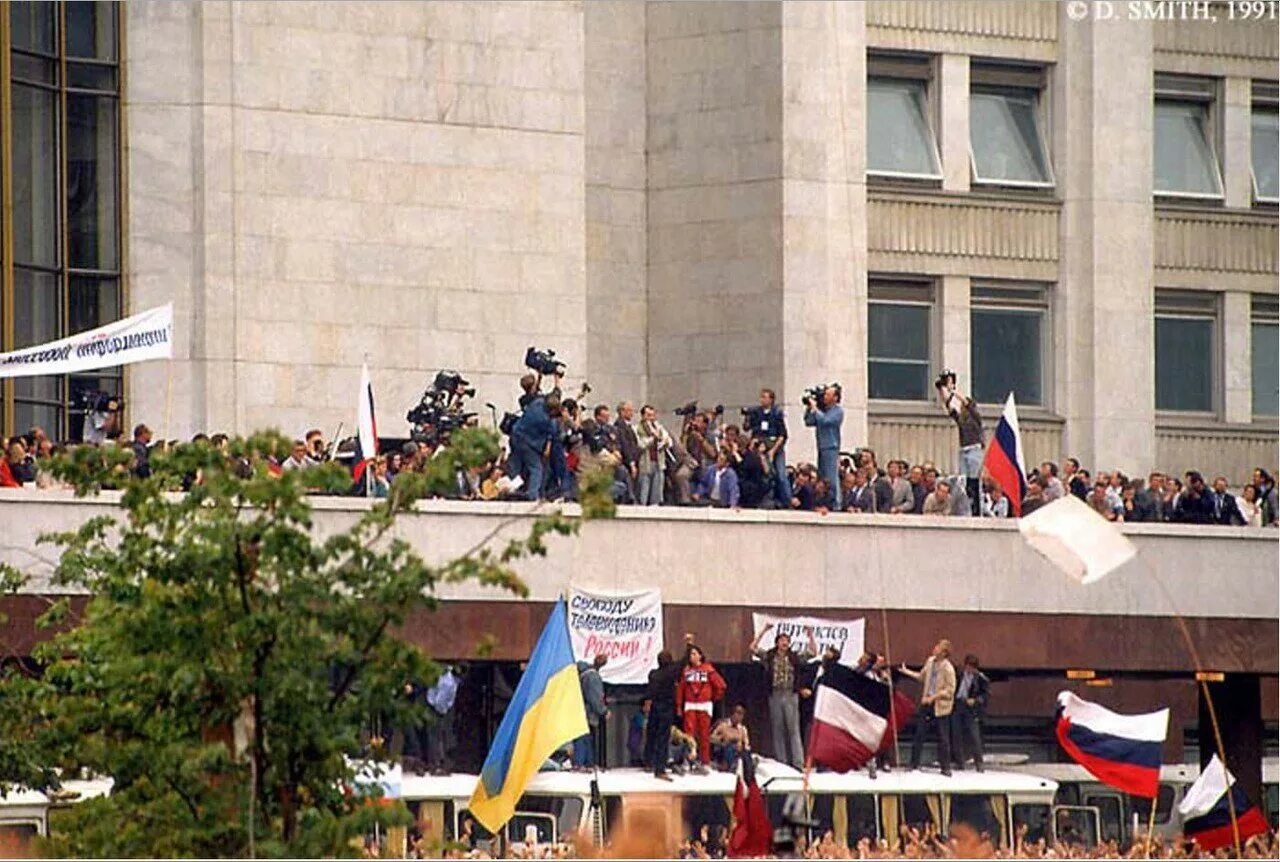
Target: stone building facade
691, 200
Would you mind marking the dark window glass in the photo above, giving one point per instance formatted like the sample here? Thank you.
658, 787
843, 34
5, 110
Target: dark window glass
1141, 806
898, 351
1035, 818
35, 176
33, 26
1184, 364
37, 307
92, 302
1109, 815
91, 30
39, 70
27, 415
90, 76
91, 182
1265, 348
1005, 353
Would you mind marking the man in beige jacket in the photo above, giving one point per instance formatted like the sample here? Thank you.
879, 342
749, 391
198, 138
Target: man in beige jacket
937, 698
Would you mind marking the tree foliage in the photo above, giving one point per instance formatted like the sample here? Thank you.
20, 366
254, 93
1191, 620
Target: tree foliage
227, 662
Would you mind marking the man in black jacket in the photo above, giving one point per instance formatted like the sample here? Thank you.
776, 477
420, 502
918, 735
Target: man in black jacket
973, 690
1225, 509
660, 696
1195, 507
630, 445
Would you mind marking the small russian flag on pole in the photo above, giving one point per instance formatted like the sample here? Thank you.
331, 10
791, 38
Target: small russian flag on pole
366, 425
1004, 460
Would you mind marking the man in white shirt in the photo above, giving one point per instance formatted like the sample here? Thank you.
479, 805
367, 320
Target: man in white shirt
298, 458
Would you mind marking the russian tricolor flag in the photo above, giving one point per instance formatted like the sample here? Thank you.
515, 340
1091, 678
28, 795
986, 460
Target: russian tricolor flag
1206, 814
1004, 457
1120, 750
366, 425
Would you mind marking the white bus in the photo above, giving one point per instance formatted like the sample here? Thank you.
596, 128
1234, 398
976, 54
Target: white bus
24, 814
1123, 818
559, 806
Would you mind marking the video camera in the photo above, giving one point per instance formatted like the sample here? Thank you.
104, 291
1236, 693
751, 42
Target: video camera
543, 361
947, 379
691, 409
814, 393
439, 412
97, 401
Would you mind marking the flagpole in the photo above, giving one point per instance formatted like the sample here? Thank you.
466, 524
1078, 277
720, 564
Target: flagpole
1208, 698
1151, 823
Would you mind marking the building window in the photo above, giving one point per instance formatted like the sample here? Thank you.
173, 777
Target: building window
1006, 126
1264, 348
1186, 338
1264, 140
63, 196
1007, 326
900, 140
899, 340
1186, 164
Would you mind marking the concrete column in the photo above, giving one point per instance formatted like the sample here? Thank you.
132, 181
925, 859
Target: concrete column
1103, 303
824, 240
955, 329
1237, 99
1237, 368
1238, 703
953, 121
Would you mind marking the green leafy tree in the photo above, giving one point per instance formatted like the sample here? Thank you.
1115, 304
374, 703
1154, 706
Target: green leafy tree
227, 663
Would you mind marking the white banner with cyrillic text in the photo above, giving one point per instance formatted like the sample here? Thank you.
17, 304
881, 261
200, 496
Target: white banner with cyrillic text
148, 335
625, 627
845, 635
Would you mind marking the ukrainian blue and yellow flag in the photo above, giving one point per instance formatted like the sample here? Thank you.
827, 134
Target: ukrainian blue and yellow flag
546, 712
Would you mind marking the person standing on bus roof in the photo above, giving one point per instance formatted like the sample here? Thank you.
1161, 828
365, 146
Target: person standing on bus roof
937, 698
699, 687
972, 693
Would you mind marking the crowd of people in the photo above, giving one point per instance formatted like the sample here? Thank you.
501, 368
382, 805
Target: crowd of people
710, 461
912, 844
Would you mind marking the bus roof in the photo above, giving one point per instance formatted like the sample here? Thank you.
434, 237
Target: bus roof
1173, 773
911, 782
772, 776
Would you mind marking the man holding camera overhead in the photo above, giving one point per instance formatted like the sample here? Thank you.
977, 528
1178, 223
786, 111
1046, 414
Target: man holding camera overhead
823, 413
964, 412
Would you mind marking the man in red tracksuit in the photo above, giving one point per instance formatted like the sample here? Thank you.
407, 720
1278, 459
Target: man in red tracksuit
699, 686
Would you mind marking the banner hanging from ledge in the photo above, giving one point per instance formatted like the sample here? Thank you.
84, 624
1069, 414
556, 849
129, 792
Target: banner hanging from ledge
626, 627
144, 336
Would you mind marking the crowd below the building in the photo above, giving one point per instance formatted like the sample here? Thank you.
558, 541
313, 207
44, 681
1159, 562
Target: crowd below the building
710, 461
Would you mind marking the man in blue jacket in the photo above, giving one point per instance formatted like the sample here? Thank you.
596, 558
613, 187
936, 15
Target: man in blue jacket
531, 441
826, 419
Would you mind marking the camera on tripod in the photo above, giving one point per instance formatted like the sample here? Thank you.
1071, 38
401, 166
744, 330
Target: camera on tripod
543, 361
451, 383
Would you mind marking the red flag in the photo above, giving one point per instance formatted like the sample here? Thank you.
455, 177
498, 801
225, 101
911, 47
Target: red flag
752, 832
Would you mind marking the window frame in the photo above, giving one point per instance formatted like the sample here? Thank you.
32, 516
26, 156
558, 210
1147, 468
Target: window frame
1198, 91
1264, 310
1014, 79
913, 69
1265, 97
898, 290
62, 65
1179, 304
1018, 298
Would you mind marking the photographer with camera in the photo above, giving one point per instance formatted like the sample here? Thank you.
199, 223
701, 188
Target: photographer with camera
102, 420
766, 423
654, 441
824, 414
964, 412
531, 442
